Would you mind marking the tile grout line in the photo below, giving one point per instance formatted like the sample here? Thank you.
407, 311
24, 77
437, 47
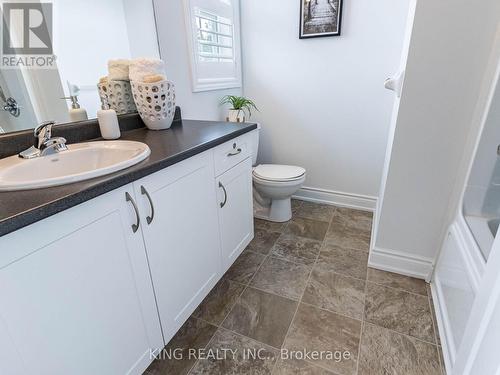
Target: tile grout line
219, 326
249, 338
312, 266
367, 281
366, 252
323, 243
362, 328
292, 299
393, 288
433, 318
257, 341
388, 329
303, 292
401, 334
257, 271
331, 311
343, 227
247, 286
363, 320
434, 325
206, 345
237, 334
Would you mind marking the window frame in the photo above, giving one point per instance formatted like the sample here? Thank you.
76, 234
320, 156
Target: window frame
226, 72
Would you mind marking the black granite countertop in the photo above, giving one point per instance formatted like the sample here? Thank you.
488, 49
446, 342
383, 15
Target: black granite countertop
183, 140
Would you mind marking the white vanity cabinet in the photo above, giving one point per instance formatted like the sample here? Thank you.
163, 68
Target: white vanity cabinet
95, 288
75, 293
235, 204
181, 236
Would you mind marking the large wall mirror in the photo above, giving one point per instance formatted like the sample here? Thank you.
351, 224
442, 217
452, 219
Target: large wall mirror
84, 35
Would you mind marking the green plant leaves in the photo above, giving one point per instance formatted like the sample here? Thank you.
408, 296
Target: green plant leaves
239, 103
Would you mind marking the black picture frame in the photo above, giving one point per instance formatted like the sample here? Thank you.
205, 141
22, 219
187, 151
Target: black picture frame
319, 30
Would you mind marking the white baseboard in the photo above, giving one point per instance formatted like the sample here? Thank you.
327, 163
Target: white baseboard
400, 262
359, 202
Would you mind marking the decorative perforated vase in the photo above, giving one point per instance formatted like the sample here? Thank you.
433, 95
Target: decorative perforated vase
155, 103
118, 94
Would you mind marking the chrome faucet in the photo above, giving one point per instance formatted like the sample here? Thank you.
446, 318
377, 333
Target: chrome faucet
46, 145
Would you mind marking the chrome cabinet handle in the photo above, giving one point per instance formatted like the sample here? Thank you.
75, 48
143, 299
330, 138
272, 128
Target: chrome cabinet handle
225, 195
135, 227
149, 219
235, 152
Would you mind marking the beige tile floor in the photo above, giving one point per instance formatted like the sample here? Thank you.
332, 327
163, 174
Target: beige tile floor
305, 286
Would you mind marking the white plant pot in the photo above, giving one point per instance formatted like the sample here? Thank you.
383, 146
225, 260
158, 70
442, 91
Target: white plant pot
235, 115
155, 103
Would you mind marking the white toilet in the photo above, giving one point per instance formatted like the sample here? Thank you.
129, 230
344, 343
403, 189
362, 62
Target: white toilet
273, 187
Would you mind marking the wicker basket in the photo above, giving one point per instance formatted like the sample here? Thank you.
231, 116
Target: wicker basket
118, 94
155, 103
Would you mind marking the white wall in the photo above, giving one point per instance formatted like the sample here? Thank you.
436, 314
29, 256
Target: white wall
174, 51
449, 51
322, 102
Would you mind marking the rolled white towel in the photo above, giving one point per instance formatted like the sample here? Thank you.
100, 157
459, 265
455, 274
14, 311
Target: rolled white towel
118, 70
140, 68
153, 78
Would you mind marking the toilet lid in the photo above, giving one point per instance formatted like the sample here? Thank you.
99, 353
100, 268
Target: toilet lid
274, 172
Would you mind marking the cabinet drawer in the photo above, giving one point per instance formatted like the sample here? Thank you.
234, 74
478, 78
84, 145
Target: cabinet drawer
228, 154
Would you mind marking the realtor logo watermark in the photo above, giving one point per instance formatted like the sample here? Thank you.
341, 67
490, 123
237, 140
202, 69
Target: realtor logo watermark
27, 36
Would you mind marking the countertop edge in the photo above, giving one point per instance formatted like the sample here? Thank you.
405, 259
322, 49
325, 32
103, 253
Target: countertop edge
39, 213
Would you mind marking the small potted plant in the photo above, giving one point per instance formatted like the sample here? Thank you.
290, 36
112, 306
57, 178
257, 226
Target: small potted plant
240, 106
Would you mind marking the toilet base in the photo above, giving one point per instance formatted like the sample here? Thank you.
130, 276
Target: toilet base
278, 211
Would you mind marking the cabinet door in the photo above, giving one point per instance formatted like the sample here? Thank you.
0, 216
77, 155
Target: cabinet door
235, 202
181, 238
76, 295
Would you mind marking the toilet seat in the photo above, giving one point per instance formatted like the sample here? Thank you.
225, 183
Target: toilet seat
278, 173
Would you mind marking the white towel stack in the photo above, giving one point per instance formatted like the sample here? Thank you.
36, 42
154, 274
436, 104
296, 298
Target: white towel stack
138, 70
118, 70
146, 68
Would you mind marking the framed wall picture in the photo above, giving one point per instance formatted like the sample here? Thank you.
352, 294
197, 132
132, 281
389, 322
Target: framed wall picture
319, 18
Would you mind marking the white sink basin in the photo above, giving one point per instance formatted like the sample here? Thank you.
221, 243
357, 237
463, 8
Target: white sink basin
82, 161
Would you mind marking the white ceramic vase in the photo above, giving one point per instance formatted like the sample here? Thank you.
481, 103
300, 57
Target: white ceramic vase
235, 115
155, 103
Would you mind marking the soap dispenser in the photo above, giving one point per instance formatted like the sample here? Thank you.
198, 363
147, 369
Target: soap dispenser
76, 113
108, 122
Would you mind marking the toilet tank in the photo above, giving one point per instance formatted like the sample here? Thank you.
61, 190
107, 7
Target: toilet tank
255, 135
